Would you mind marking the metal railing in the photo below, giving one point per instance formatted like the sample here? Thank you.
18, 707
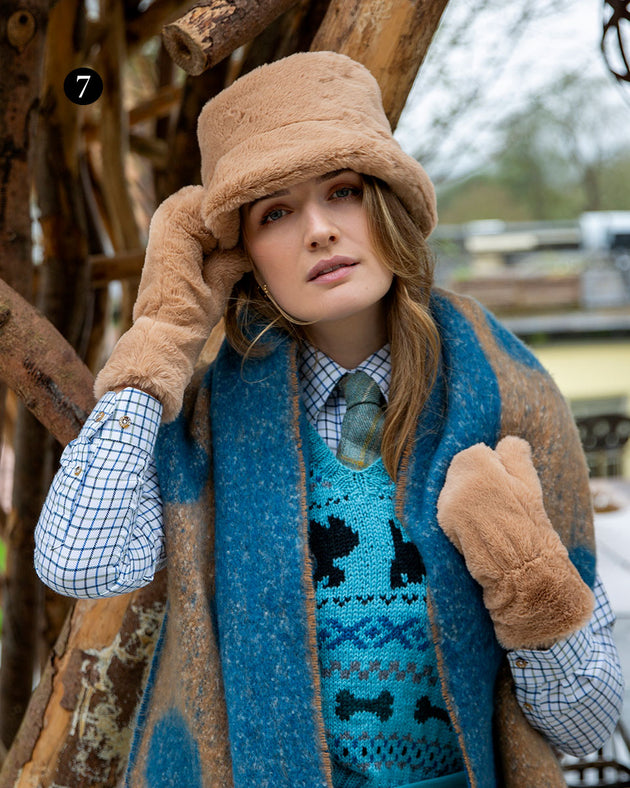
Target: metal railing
609, 766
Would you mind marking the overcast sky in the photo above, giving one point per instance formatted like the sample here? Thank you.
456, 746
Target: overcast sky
506, 72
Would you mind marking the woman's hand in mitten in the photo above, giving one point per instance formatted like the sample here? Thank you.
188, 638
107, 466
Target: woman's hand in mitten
491, 508
185, 284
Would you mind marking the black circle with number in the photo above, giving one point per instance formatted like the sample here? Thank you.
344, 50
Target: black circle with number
83, 86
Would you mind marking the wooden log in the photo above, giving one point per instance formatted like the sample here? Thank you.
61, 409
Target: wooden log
211, 31
100, 229
156, 151
42, 368
302, 26
184, 164
22, 39
106, 268
165, 76
390, 37
164, 100
114, 132
78, 727
63, 289
21, 587
64, 292
22, 43
291, 32
150, 22
55, 611
115, 147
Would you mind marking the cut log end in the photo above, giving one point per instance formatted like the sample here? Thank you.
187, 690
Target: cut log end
184, 50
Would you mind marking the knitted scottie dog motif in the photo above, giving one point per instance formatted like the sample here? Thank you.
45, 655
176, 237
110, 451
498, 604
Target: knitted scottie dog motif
328, 543
386, 721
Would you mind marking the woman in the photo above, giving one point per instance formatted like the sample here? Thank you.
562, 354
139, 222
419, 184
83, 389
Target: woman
341, 609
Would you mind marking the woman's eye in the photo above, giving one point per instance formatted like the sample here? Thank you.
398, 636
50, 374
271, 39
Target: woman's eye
272, 216
346, 191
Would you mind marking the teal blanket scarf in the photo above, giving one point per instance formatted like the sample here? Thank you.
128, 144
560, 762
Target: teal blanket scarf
233, 696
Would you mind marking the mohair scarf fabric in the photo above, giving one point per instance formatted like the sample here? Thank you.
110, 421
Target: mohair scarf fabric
233, 696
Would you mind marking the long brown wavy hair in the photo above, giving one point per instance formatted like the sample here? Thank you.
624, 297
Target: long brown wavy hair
411, 330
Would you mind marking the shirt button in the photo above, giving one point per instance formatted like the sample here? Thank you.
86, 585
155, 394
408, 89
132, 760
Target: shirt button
124, 422
99, 416
77, 470
528, 707
521, 663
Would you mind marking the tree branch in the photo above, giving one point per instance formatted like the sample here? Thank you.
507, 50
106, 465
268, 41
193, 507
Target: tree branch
42, 368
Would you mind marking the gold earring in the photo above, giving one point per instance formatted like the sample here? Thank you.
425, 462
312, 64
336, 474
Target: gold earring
284, 314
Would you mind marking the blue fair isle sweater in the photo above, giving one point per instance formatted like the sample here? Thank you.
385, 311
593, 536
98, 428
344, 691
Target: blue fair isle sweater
386, 721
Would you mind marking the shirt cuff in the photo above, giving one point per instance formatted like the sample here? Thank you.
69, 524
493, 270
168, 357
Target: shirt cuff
129, 416
553, 664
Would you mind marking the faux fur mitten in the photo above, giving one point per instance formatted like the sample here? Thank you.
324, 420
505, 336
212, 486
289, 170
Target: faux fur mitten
183, 291
491, 508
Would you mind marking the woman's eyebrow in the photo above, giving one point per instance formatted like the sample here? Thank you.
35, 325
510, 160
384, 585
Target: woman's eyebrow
279, 193
283, 192
330, 175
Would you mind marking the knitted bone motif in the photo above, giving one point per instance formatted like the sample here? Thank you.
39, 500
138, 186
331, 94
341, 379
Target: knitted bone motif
425, 709
348, 704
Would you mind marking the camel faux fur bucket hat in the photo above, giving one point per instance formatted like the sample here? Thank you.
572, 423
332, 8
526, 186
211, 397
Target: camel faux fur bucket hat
302, 116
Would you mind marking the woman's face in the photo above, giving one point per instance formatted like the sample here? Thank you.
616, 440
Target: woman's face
311, 246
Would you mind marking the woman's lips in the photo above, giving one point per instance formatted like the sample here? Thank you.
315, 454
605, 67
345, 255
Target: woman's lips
331, 269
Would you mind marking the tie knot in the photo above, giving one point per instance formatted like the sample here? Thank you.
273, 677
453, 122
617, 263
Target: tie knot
359, 388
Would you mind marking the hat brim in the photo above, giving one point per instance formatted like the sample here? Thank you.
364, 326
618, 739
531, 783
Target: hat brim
270, 161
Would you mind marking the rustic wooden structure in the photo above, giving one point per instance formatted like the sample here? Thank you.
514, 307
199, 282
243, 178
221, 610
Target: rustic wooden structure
94, 200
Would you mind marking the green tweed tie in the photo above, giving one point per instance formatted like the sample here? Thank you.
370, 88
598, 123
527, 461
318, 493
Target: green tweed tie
362, 426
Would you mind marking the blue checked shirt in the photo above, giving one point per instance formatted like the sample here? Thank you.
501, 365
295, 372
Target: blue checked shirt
100, 534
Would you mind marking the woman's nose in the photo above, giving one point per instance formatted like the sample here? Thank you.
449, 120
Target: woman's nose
321, 228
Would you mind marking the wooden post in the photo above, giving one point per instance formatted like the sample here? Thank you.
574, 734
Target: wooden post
22, 40
114, 131
64, 287
390, 38
114, 135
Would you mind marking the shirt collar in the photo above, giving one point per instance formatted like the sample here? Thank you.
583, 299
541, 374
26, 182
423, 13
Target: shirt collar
319, 374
